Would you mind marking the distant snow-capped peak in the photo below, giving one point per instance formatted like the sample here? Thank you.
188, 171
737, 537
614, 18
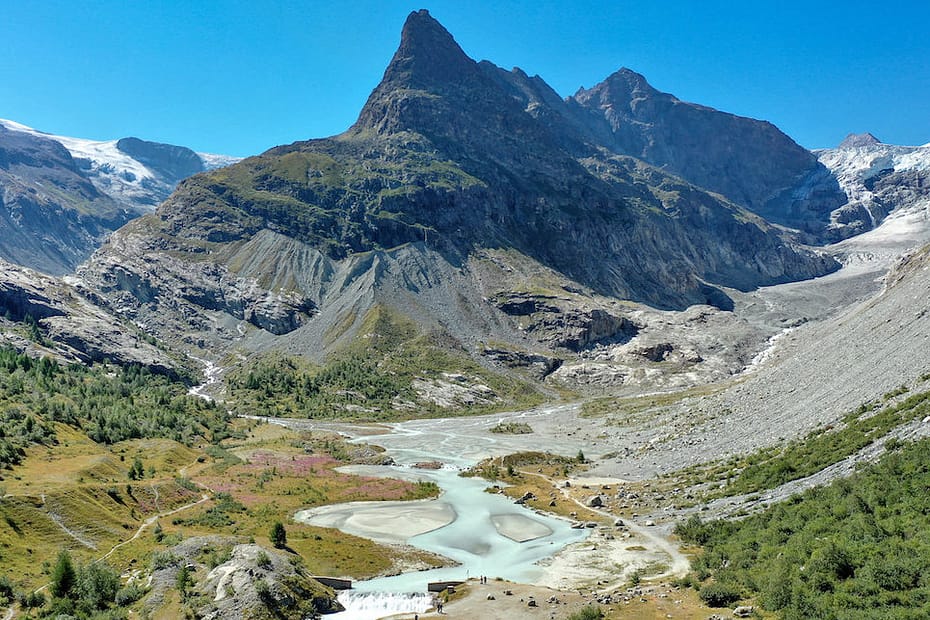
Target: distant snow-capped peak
887, 187
115, 172
855, 162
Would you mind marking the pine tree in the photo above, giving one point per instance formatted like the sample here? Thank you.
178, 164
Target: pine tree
63, 576
278, 535
136, 472
184, 581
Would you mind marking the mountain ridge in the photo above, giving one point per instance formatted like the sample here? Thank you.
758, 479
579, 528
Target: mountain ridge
448, 186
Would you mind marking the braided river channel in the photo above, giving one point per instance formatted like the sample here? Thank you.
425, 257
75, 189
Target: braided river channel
486, 534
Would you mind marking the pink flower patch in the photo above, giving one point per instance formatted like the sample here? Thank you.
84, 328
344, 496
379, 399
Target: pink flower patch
298, 465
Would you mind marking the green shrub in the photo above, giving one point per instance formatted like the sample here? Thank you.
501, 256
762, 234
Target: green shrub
129, 594
97, 585
163, 559
591, 612
719, 594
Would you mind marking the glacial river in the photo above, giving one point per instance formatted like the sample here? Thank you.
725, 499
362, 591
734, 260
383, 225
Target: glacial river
483, 532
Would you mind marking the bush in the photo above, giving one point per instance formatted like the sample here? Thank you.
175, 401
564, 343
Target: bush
6, 589
97, 585
264, 592
163, 559
30, 600
719, 594
129, 595
591, 612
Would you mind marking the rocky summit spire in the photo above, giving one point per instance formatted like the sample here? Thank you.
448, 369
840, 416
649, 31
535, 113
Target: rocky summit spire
427, 54
428, 60
624, 84
858, 140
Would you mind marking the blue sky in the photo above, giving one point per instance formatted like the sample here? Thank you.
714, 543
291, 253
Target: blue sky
238, 77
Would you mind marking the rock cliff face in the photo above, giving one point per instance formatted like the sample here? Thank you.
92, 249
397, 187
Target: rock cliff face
749, 161
449, 159
68, 323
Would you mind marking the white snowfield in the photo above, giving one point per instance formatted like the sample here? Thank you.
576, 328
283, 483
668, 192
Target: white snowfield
852, 165
116, 173
908, 221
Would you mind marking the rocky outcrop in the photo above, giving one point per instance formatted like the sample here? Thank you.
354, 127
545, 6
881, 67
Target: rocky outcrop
561, 323
520, 304
579, 329
192, 290
70, 326
254, 582
257, 582
538, 366
454, 390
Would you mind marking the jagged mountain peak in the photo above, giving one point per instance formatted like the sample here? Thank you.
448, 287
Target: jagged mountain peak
427, 55
859, 140
428, 62
624, 84
465, 109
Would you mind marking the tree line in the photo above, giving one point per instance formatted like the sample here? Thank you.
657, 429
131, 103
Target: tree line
109, 403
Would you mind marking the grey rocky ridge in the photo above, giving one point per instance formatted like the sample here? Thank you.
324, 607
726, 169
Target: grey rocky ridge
473, 201
73, 328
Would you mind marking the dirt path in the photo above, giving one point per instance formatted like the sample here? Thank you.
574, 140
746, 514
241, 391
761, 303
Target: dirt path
150, 521
11, 613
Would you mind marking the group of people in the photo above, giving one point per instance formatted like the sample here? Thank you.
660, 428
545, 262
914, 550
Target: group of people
438, 602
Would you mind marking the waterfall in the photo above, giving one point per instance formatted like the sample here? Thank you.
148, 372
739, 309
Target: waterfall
373, 605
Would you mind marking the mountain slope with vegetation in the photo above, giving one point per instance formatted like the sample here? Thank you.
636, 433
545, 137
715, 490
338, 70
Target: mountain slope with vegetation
857, 548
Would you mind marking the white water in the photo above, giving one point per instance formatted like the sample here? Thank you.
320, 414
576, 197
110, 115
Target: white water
378, 604
211, 373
